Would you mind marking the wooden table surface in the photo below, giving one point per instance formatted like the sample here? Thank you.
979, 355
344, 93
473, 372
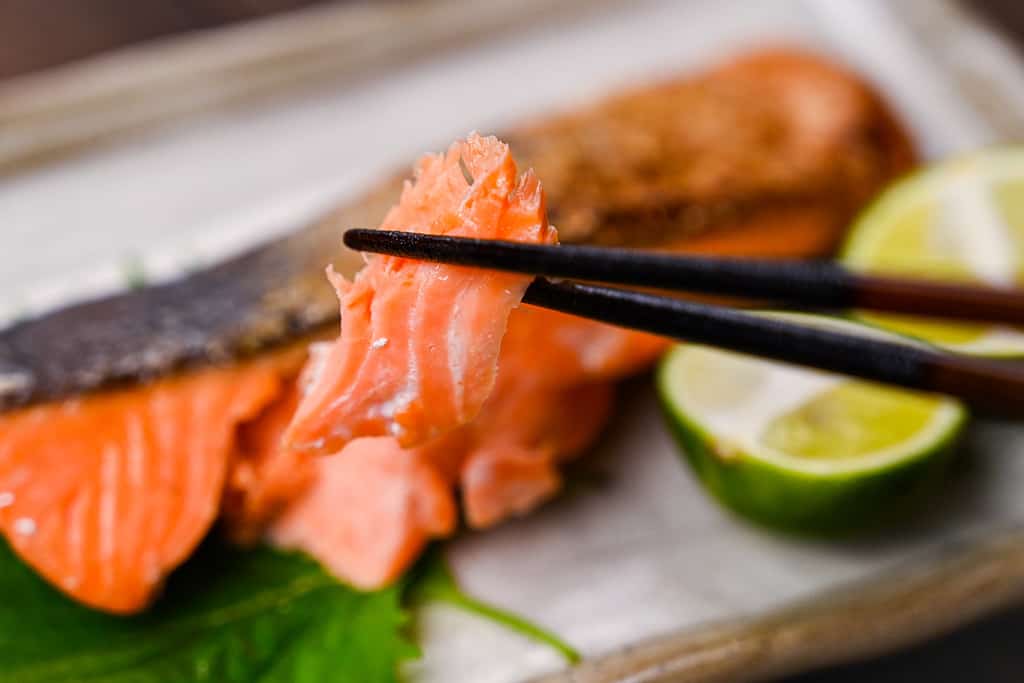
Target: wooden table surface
36, 34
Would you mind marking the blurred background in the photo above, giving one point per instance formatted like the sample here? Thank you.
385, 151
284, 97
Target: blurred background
37, 35
41, 39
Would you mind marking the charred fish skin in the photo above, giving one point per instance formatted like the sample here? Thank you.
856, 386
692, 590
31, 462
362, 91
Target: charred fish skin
210, 315
643, 168
260, 299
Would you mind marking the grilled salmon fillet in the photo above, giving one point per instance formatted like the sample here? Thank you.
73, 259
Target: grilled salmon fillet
418, 350
104, 493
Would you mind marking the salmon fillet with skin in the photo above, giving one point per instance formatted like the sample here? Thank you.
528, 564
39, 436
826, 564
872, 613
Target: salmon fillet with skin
769, 155
419, 342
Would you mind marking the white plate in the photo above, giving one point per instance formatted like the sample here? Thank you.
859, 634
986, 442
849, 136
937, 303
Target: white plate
647, 553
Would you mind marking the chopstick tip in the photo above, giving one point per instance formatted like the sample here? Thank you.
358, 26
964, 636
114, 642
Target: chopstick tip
355, 238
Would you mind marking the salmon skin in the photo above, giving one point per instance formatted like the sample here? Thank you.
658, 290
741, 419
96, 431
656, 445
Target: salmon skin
241, 306
259, 301
767, 155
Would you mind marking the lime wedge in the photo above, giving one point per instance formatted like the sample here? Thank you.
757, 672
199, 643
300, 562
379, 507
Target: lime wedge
800, 449
959, 221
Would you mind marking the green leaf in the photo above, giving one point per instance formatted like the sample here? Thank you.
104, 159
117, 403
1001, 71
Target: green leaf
134, 271
432, 581
227, 616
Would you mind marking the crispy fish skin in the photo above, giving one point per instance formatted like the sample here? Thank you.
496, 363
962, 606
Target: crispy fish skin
256, 302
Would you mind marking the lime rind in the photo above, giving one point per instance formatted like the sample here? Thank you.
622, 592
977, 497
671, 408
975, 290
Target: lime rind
949, 416
803, 494
800, 502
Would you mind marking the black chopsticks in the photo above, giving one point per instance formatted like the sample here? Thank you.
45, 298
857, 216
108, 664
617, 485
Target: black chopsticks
808, 284
990, 386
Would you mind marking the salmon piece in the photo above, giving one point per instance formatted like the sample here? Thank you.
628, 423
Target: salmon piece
768, 155
375, 505
419, 343
772, 129
265, 477
560, 349
522, 435
506, 480
783, 233
369, 515
104, 495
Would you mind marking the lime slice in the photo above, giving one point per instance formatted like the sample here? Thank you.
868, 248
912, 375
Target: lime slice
801, 449
959, 221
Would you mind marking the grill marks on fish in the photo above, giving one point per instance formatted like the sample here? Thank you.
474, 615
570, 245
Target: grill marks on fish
443, 324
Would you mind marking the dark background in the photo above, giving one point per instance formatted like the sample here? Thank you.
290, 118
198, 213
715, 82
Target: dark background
35, 34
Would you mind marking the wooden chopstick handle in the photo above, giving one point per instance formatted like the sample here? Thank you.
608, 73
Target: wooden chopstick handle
990, 386
936, 299
994, 387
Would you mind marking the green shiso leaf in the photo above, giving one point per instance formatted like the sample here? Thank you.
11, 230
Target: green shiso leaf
229, 615
432, 581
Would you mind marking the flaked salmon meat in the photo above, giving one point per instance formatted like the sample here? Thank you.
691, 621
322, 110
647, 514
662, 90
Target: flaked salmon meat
419, 343
370, 513
375, 505
133, 480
